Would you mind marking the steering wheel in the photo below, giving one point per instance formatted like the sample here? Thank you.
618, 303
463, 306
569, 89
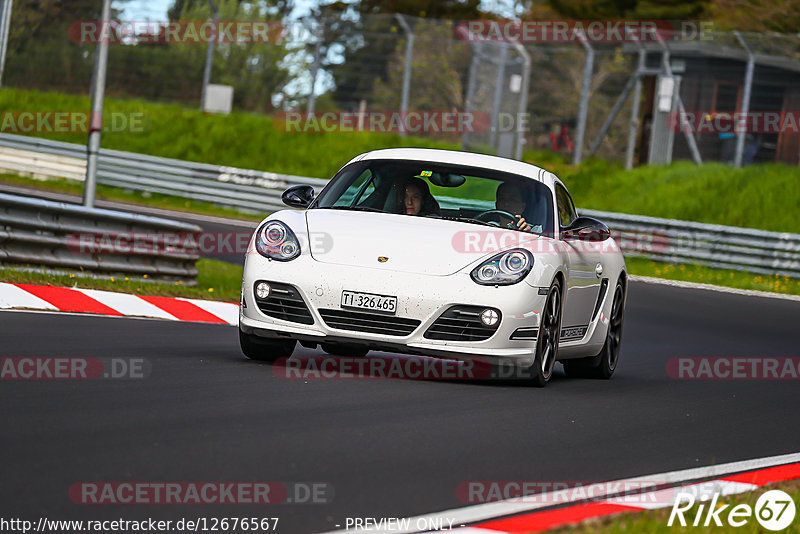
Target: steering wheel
486, 213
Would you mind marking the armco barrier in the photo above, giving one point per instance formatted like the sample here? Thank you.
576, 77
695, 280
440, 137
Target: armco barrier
670, 240
255, 191
726, 247
57, 235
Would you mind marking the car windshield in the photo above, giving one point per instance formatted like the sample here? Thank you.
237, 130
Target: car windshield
435, 190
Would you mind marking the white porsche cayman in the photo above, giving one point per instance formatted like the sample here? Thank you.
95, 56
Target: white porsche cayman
437, 253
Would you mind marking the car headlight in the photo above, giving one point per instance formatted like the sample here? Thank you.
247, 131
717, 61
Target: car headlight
276, 241
504, 269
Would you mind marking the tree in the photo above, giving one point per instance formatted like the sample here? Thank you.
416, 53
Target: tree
436, 81
254, 69
757, 15
367, 35
40, 54
627, 9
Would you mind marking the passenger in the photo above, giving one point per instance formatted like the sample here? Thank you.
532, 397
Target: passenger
510, 199
415, 198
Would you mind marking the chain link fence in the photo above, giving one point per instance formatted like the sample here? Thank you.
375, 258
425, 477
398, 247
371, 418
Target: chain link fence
691, 94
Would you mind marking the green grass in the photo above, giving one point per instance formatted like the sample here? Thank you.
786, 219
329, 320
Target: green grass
216, 280
765, 196
655, 522
717, 277
245, 140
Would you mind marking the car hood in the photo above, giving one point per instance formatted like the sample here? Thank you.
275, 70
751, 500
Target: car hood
420, 245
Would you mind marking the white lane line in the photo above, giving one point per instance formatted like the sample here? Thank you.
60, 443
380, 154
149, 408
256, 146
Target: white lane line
127, 304
12, 296
712, 287
516, 505
702, 491
227, 311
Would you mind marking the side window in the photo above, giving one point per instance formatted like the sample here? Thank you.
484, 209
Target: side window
566, 209
356, 189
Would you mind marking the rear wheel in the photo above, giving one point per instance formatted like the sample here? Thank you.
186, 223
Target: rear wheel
549, 337
341, 349
604, 364
265, 350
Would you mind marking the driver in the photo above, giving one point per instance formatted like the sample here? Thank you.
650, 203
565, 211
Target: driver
415, 198
510, 199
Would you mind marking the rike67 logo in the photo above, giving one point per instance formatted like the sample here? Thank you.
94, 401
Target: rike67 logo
774, 510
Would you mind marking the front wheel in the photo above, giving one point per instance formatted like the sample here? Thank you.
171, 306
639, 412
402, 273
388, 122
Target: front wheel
549, 337
265, 350
604, 364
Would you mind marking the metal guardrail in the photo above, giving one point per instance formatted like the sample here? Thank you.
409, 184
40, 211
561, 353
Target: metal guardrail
256, 191
56, 234
668, 240
713, 245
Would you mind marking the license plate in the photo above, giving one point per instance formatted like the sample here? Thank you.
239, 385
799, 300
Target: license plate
369, 301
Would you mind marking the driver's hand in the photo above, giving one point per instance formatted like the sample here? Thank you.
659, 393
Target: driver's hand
521, 224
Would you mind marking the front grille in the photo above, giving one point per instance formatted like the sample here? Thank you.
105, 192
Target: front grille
284, 302
462, 323
371, 323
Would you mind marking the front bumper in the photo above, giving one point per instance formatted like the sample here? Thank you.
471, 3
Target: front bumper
420, 297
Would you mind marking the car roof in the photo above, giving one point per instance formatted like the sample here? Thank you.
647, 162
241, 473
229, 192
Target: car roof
456, 157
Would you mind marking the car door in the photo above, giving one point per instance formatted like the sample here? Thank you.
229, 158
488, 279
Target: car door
583, 283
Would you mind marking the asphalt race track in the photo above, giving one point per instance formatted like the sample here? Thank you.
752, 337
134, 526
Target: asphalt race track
388, 448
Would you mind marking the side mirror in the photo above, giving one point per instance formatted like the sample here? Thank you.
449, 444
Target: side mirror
586, 229
298, 196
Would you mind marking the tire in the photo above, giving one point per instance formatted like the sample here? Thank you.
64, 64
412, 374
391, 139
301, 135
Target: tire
265, 350
549, 337
337, 349
604, 364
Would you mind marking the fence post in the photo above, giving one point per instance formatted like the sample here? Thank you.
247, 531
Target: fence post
748, 85
312, 98
498, 93
406, 70
523, 98
469, 104
209, 54
685, 128
633, 124
583, 105
96, 123
5, 28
